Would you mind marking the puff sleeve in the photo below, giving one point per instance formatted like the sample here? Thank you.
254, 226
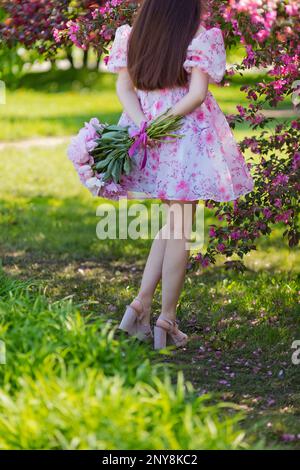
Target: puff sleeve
117, 58
207, 52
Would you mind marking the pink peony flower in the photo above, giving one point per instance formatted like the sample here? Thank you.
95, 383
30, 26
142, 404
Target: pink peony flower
77, 151
112, 187
94, 185
92, 127
81, 145
85, 172
113, 191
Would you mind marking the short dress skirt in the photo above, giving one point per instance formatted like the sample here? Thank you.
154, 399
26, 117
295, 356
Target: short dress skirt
206, 163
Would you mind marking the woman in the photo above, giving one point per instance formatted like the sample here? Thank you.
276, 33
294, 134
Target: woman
165, 62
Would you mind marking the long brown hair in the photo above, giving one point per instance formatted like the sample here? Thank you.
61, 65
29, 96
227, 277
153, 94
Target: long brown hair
161, 34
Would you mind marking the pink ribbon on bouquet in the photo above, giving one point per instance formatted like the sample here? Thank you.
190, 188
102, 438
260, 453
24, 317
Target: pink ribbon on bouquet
141, 138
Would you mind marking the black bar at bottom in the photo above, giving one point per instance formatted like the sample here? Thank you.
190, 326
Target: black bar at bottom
132, 459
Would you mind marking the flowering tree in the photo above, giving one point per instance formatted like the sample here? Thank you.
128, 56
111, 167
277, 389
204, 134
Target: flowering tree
97, 25
269, 30
37, 24
31, 22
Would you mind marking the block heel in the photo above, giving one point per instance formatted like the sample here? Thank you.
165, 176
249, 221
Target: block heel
167, 332
128, 322
160, 338
132, 323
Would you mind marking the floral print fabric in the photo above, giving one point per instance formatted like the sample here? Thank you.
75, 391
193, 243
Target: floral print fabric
206, 162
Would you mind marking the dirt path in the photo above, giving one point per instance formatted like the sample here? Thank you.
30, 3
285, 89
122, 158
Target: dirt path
55, 141
36, 142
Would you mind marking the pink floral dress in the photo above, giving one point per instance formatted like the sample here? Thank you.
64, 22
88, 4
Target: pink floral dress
206, 163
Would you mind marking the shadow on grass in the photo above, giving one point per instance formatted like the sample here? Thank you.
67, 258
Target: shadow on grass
45, 226
70, 124
55, 81
58, 81
241, 325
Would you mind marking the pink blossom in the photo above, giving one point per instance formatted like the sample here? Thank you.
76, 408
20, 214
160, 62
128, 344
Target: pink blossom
56, 35
81, 145
267, 213
280, 179
296, 161
262, 35
221, 247
205, 262
241, 110
284, 217
235, 235
278, 203
212, 232
162, 194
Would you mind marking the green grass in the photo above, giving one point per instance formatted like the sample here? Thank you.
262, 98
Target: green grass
57, 103
34, 112
70, 381
70, 384
48, 224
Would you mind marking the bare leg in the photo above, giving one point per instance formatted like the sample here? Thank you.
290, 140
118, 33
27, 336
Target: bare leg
181, 215
152, 272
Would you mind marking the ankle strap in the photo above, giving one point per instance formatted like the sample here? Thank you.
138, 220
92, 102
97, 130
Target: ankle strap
141, 302
171, 322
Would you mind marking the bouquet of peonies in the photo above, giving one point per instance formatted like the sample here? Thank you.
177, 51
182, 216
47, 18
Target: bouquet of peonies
102, 154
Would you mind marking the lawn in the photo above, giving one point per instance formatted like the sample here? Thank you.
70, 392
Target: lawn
70, 380
57, 103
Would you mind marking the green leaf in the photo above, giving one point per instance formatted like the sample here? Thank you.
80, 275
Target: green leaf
103, 163
116, 171
127, 166
117, 128
108, 173
112, 136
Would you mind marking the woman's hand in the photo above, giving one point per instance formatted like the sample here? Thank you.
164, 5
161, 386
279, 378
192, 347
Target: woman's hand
129, 99
170, 112
139, 121
195, 97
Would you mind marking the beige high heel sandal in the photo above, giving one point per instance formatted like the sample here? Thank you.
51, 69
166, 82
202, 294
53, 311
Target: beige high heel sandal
132, 323
167, 331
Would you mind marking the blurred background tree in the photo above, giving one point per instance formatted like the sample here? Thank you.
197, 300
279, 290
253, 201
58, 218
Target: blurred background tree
27, 36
